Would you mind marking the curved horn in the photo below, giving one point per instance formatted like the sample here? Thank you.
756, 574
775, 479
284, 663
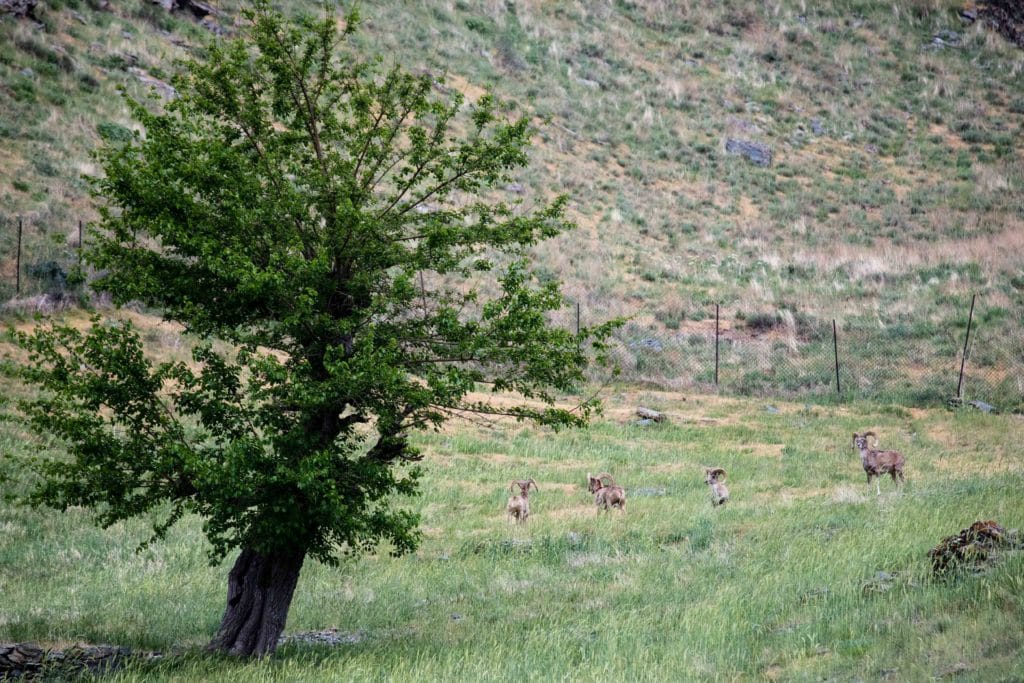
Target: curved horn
511, 487
867, 434
531, 481
605, 475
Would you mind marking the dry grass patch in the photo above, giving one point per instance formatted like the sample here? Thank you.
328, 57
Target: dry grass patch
764, 450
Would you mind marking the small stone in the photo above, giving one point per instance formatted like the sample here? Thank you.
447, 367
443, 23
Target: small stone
984, 407
648, 343
648, 414
759, 154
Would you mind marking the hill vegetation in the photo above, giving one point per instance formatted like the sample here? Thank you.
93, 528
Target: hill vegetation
894, 189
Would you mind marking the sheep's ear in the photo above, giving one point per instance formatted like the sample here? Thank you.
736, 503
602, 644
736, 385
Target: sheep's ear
855, 435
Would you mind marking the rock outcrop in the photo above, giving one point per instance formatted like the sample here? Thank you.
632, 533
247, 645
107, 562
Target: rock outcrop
19, 8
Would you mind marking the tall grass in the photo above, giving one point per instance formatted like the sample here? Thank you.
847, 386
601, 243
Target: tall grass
804, 575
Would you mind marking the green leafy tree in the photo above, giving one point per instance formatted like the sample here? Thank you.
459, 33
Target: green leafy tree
325, 227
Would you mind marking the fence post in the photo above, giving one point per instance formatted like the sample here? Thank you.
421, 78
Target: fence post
17, 263
577, 318
79, 243
835, 350
963, 358
716, 345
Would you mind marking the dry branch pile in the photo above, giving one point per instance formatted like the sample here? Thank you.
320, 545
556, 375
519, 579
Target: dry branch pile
30, 661
974, 546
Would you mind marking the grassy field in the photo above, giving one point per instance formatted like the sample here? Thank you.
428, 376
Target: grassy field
805, 575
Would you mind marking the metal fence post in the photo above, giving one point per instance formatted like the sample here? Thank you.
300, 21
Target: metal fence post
963, 358
17, 263
716, 345
835, 349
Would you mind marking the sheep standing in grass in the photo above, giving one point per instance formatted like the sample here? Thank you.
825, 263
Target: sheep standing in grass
606, 495
519, 506
877, 462
715, 478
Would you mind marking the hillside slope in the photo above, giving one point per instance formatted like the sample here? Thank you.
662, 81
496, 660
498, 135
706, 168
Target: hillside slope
894, 189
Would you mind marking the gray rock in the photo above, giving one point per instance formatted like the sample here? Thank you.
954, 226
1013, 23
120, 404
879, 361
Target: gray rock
19, 8
817, 127
984, 407
331, 636
166, 90
756, 152
648, 343
947, 38
648, 414
196, 7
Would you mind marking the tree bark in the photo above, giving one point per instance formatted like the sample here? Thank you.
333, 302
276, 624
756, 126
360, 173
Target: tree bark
260, 589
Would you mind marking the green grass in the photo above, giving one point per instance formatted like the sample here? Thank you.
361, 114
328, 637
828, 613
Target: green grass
779, 584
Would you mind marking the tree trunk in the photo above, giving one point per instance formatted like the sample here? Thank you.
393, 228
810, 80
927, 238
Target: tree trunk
260, 589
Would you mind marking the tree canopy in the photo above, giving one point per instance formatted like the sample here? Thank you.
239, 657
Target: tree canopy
335, 235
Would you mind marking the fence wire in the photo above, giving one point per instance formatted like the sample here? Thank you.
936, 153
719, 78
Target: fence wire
779, 354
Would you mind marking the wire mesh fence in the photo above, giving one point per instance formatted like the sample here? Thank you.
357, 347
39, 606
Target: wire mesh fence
779, 354
39, 263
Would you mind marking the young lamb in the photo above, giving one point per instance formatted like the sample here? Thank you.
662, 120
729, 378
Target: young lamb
519, 506
608, 495
877, 462
715, 478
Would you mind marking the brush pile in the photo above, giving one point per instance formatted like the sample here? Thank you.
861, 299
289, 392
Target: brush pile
30, 661
19, 8
975, 546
